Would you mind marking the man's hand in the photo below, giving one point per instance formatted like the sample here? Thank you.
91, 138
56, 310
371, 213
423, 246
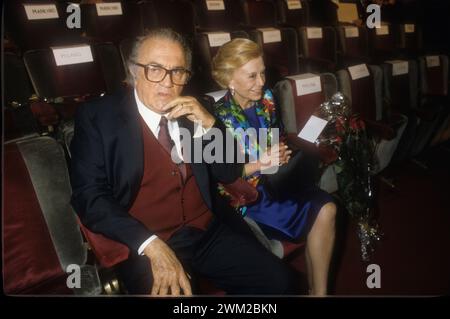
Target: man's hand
168, 273
189, 106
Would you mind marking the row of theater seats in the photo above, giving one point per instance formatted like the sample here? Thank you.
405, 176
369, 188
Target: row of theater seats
37, 167
404, 103
114, 21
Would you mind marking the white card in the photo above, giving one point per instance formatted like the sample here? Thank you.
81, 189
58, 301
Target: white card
399, 67
382, 30
312, 129
351, 32
314, 33
270, 35
410, 28
216, 39
358, 71
307, 83
109, 9
72, 55
433, 61
41, 11
217, 95
215, 5
294, 4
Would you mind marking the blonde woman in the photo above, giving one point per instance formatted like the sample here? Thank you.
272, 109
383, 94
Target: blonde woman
239, 67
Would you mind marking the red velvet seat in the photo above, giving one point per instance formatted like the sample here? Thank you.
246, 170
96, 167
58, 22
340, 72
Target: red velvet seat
40, 233
39, 33
65, 86
365, 95
215, 15
205, 48
318, 49
296, 108
279, 46
99, 27
353, 45
296, 15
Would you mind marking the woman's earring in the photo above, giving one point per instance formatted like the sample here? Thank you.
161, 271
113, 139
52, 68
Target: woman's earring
232, 90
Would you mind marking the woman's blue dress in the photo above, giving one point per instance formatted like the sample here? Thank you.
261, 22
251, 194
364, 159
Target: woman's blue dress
287, 219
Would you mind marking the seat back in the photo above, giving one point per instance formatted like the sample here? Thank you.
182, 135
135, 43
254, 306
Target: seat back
318, 43
259, 13
434, 75
216, 15
18, 119
293, 13
175, 14
107, 252
410, 37
300, 96
382, 43
112, 21
40, 233
362, 85
353, 42
206, 46
51, 80
112, 66
401, 85
280, 51
39, 25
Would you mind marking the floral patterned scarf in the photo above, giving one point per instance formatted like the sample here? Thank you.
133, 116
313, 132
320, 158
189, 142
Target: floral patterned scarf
231, 114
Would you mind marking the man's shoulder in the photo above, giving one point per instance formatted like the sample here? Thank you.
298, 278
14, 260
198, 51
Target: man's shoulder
107, 105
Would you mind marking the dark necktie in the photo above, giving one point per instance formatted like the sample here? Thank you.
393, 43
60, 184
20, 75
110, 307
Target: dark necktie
166, 141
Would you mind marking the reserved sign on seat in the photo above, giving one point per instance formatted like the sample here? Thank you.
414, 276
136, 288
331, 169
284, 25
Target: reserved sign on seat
433, 61
314, 33
41, 11
72, 55
270, 35
216, 39
307, 83
351, 32
215, 5
358, 71
399, 67
109, 9
294, 4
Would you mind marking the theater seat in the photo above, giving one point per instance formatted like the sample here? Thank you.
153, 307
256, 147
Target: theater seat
297, 104
362, 84
108, 253
353, 45
41, 236
401, 94
18, 118
318, 49
65, 85
280, 49
434, 87
205, 48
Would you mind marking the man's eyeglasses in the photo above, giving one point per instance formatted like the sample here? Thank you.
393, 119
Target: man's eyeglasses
156, 73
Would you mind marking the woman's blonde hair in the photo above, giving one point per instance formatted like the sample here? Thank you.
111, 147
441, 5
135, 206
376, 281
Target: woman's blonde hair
231, 56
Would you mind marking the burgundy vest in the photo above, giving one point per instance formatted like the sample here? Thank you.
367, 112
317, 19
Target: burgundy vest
164, 202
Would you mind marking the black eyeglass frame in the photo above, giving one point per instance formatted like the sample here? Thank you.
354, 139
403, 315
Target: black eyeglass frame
167, 71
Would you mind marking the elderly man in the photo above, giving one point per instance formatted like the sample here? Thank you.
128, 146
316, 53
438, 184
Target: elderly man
126, 186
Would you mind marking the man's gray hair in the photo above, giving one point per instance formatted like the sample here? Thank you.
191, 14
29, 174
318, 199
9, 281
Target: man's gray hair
160, 33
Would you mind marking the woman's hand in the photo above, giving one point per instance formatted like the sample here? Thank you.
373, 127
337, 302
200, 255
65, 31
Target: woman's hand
189, 106
276, 155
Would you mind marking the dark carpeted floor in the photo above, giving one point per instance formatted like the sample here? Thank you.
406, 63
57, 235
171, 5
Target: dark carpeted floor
414, 253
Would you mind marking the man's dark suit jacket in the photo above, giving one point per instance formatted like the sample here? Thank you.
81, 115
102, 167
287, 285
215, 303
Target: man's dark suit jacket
107, 168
